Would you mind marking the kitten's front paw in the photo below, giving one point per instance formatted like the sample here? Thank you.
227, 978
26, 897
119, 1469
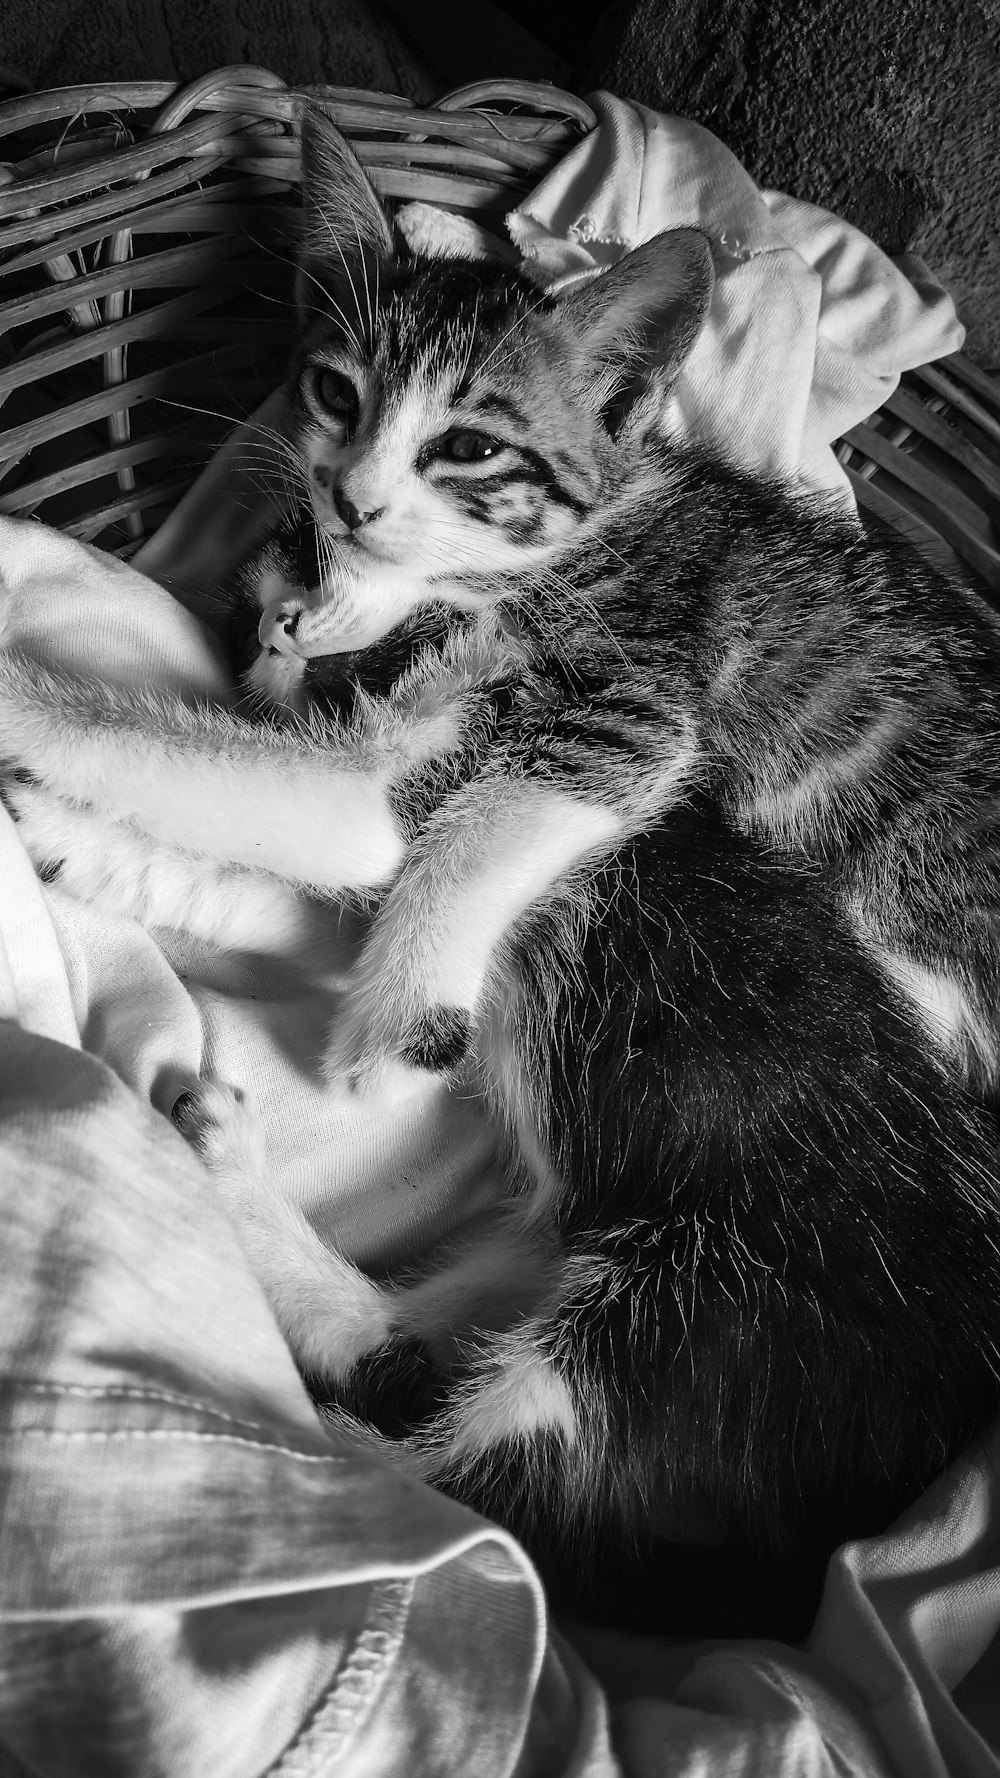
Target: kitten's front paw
364, 1062
44, 823
223, 1131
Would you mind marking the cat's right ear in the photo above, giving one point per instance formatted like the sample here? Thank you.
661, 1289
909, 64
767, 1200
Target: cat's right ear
638, 320
346, 234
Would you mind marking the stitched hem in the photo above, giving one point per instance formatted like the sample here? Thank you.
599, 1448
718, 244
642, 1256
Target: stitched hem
349, 1701
127, 1392
163, 1434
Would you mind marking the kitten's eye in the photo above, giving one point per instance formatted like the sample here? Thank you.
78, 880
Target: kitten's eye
462, 445
336, 395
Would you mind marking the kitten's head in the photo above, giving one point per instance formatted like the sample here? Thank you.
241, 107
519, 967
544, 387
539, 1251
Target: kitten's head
456, 422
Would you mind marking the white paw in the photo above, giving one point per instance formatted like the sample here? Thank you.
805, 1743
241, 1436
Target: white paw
221, 1128
368, 1062
375, 1080
46, 825
278, 679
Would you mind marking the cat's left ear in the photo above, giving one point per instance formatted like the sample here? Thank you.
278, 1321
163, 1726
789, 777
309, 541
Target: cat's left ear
638, 321
346, 234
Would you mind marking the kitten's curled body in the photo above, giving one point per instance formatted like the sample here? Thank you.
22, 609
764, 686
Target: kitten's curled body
834, 699
678, 797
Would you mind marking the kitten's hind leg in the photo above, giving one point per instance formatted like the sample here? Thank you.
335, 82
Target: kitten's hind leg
330, 1314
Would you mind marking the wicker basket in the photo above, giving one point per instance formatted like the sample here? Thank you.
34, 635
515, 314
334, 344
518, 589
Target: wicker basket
146, 243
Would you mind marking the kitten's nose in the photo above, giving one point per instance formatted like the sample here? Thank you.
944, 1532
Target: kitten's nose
352, 515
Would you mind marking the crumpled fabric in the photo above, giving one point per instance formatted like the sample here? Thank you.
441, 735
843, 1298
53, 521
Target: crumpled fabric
197, 1581
195, 1578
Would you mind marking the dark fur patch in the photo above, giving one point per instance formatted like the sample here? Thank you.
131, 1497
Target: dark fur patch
333, 680
50, 870
395, 1390
440, 1040
774, 1194
183, 1109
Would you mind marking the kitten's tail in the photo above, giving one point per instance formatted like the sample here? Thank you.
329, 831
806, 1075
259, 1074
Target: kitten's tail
512, 1436
520, 1424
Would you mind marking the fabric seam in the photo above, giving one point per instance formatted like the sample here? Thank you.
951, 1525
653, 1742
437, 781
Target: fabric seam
346, 1703
120, 1434
128, 1392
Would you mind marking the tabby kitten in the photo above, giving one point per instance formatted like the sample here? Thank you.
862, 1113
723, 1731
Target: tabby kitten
678, 798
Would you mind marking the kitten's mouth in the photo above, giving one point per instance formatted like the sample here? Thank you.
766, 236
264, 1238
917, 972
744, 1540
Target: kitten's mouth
360, 542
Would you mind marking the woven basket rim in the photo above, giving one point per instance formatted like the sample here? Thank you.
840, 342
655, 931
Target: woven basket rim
174, 100
105, 168
99, 171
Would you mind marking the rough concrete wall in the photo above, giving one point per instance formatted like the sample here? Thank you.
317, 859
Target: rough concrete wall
887, 111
